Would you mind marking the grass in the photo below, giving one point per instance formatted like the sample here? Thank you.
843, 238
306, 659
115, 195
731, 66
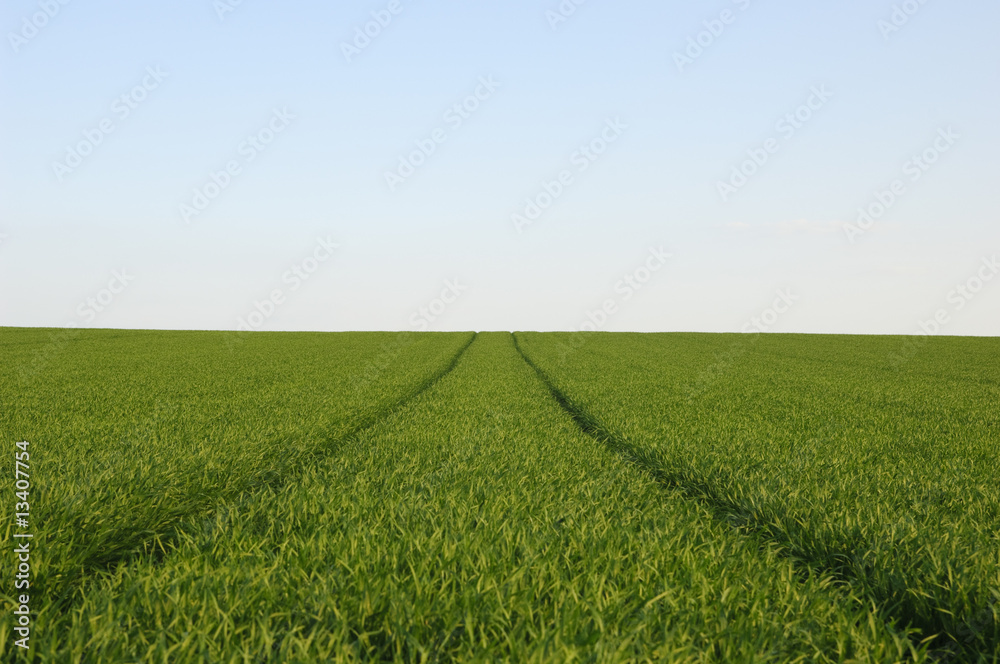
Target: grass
544, 497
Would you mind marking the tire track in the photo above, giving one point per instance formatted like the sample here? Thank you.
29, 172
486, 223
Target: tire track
751, 523
158, 542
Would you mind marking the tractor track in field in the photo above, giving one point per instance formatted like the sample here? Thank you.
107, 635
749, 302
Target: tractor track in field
157, 543
944, 648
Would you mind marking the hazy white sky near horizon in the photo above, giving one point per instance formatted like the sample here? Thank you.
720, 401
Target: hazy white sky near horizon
68, 224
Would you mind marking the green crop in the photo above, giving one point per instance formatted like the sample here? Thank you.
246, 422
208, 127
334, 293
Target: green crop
882, 473
201, 496
132, 432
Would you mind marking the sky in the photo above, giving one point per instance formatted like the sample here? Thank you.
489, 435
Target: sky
719, 166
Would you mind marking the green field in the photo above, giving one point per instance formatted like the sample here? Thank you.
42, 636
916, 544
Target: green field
301, 497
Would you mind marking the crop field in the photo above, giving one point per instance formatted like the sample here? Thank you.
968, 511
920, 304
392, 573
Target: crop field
528, 497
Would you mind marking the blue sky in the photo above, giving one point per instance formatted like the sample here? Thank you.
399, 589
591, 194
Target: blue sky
611, 118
